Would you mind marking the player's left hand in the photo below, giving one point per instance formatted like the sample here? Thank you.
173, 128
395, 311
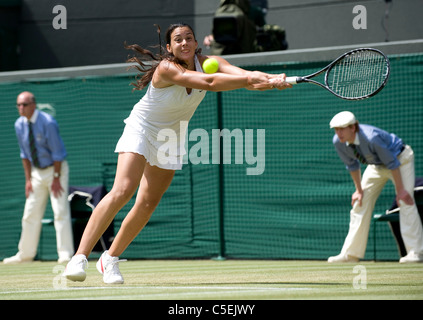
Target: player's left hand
279, 82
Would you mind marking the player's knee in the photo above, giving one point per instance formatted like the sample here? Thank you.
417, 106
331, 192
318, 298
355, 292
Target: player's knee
123, 191
148, 204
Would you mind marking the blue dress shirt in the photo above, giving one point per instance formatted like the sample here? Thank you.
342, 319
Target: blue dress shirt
375, 145
48, 142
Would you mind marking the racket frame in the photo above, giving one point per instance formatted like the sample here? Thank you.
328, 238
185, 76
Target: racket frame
295, 80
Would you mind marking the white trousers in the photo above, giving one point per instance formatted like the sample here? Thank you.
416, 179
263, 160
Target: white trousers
34, 210
373, 180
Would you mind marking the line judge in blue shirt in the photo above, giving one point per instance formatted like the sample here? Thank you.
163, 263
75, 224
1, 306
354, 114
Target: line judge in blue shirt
387, 158
46, 173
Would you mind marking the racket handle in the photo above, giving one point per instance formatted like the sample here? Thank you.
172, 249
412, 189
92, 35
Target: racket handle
291, 80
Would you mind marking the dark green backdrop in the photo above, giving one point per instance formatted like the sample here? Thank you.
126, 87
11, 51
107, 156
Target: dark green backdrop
297, 209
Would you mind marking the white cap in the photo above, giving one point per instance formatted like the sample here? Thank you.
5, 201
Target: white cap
343, 120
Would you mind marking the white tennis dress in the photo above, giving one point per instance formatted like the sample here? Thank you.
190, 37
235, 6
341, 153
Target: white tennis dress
157, 125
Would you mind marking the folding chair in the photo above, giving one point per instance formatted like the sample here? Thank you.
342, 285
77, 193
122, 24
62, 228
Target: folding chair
82, 204
392, 217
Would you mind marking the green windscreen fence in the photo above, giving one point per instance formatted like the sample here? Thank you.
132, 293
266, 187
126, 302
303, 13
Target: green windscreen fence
261, 180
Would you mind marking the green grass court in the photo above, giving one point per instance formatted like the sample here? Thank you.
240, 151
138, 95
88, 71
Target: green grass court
220, 280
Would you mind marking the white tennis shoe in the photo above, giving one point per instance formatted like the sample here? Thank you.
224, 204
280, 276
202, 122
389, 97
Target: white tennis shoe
412, 257
75, 269
108, 266
341, 258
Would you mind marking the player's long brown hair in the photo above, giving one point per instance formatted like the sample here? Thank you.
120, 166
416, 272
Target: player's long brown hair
146, 67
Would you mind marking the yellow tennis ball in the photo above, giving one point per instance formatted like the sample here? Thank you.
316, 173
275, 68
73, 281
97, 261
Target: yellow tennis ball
210, 65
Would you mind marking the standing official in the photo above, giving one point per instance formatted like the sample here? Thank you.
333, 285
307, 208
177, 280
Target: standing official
387, 158
46, 173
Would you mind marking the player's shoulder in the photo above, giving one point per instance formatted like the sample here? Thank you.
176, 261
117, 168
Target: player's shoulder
201, 58
167, 69
163, 74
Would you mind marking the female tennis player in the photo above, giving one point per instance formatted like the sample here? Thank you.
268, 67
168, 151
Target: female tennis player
177, 85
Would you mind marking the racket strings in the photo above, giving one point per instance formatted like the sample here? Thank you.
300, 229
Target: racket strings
358, 74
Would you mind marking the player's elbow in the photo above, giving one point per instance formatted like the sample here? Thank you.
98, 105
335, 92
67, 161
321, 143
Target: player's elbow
211, 84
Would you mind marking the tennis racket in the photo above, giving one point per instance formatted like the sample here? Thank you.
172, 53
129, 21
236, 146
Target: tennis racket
357, 74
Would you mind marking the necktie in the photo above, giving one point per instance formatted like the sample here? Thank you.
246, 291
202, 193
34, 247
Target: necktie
357, 154
32, 146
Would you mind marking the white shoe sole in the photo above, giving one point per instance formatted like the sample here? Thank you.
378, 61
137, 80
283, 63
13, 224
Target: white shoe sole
343, 260
76, 277
411, 261
113, 282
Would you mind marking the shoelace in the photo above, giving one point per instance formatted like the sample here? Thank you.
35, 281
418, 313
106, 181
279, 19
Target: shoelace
84, 263
115, 263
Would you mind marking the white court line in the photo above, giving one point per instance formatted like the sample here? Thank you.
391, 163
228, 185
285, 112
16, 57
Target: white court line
216, 289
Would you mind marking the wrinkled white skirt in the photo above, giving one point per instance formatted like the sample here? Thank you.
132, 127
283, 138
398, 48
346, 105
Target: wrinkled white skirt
133, 140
